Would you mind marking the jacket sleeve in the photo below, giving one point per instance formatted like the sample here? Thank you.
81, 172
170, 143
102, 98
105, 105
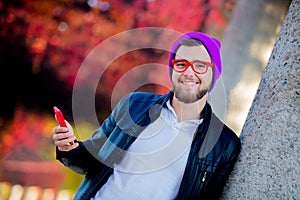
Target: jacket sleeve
79, 159
230, 156
83, 159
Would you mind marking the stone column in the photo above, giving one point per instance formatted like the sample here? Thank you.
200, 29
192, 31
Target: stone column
246, 47
269, 163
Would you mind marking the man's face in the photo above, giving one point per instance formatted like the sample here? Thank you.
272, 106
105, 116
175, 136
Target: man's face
189, 86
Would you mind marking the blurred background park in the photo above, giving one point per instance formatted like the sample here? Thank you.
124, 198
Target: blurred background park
43, 44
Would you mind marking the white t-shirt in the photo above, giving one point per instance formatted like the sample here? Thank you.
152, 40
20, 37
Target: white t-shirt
153, 166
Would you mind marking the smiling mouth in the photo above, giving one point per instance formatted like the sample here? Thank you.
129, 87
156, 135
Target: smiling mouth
189, 82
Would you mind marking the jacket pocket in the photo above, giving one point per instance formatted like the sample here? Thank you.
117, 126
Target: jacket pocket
203, 175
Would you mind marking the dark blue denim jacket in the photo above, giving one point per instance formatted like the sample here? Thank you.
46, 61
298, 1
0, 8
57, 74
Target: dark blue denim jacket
214, 150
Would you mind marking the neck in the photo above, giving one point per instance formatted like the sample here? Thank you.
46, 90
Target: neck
188, 111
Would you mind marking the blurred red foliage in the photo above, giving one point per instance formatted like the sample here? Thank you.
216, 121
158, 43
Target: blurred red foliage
60, 34
28, 137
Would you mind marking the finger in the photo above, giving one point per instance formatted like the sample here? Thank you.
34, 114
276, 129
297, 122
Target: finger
61, 136
58, 136
64, 141
69, 127
59, 133
59, 129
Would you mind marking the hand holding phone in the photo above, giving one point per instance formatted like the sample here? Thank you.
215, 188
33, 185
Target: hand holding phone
60, 118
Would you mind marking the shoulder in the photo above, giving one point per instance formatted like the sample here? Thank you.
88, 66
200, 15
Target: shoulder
134, 98
228, 139
229, 144
144, 96
226, 134
230, 134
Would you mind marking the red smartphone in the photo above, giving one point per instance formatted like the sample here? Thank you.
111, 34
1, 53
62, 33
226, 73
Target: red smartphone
60, 118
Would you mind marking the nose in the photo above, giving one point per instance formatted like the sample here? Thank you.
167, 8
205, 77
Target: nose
189, 71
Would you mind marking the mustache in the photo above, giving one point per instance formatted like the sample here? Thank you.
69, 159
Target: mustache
184, 79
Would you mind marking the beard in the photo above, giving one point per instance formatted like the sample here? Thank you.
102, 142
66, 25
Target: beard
187, 96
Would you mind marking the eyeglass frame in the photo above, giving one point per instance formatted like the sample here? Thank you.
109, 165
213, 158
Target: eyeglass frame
191, 63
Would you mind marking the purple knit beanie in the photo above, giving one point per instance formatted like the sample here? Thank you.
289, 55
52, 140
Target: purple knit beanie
213, 47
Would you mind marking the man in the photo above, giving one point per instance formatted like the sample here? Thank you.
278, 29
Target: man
153, 146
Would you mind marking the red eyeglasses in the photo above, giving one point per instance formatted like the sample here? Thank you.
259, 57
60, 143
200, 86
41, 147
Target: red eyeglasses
198, 66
